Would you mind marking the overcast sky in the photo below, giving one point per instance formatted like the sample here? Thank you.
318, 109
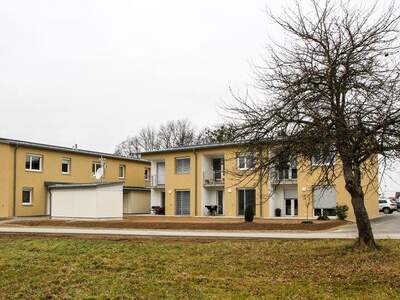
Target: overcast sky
94, 72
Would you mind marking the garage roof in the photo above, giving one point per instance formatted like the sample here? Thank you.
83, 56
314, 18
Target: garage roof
81, 185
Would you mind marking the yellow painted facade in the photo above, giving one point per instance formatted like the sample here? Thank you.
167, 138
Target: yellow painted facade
80, 172
194, 181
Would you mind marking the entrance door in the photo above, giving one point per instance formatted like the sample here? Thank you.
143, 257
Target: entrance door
291, 207
162, 199
183, 203
220, 202
247, 198
217, 168
160, 173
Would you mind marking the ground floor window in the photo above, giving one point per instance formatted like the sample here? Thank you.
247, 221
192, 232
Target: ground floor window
246, 197
324, 200
183, 202
27, 196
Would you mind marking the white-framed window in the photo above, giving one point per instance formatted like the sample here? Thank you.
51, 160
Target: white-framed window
33, 163
182, 165
246, 162
27, 195
95, 166
121, 171
324, 201
323, 160
66, 166
146, 174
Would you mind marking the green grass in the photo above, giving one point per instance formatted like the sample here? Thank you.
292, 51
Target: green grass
37, 268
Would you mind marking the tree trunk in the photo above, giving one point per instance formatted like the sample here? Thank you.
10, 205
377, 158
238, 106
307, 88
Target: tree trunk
352, 176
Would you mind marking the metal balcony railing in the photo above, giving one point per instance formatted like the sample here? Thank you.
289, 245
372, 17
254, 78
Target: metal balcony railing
155, 181
213, 178
284, 176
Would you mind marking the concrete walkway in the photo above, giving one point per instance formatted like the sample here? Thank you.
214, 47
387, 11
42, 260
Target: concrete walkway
384, 227
336, 234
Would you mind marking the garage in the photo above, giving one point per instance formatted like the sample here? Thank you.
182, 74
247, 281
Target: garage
89, 200
136, 200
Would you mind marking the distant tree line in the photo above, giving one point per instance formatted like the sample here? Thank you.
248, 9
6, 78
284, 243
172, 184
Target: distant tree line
175, 133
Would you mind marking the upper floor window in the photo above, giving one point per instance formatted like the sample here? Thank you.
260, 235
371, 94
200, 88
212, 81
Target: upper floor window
246, 162
121, 172
66, 166
182, 165
33, 163
95, 167
323, 159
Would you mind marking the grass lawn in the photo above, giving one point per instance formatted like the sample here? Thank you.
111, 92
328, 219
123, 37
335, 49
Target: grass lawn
50, 267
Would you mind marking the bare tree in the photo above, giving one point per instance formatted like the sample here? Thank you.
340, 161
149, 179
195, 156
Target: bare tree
222, 133
331, 92
131, 147
176, 134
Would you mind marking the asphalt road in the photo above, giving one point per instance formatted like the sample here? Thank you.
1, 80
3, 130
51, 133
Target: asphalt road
385, 224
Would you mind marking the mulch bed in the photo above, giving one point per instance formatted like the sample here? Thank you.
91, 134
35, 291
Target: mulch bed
238, 225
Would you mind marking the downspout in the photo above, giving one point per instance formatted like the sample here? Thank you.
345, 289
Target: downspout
15, 180
50, 200
195, 182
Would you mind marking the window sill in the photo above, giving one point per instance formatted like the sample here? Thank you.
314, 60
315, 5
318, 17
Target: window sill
26, 204
62, 173
33, 171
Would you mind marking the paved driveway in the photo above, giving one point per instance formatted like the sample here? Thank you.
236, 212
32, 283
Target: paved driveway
385, 224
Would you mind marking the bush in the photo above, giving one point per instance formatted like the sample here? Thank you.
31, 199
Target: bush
324, 217
249, 214
341, 211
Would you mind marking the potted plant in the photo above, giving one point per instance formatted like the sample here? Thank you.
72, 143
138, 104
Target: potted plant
278, 212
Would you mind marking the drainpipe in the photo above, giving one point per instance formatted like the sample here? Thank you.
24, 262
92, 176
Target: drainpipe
15, 180
195, 182
50, 200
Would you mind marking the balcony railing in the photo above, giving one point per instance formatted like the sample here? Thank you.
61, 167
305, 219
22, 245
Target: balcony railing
155, 181
284, 176
213, 178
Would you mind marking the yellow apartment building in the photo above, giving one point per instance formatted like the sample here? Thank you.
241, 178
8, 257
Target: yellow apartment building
27, 169
205, 180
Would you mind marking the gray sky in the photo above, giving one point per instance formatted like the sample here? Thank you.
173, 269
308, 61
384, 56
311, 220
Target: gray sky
93, 72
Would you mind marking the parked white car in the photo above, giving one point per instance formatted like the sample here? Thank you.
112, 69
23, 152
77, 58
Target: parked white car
387, 206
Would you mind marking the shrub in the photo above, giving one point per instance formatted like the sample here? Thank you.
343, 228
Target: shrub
323, 218
341, 211
249, 214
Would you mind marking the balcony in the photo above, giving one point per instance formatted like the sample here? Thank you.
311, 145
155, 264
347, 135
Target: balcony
213, 178
284, 176
155, 181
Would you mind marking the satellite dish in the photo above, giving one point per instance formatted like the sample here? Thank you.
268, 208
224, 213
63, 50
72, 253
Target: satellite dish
99, 173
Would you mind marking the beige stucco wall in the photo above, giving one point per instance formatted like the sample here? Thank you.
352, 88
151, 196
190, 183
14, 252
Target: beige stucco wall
81, 172
193, 182
6, 180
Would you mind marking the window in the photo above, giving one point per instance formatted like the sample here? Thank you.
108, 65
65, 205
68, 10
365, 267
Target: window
324, 200
246, 162
323, 159
182, 202
33, 163
182, 165
146, 174
246, 197
95, 167
66, 166
121, 173
27, 196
